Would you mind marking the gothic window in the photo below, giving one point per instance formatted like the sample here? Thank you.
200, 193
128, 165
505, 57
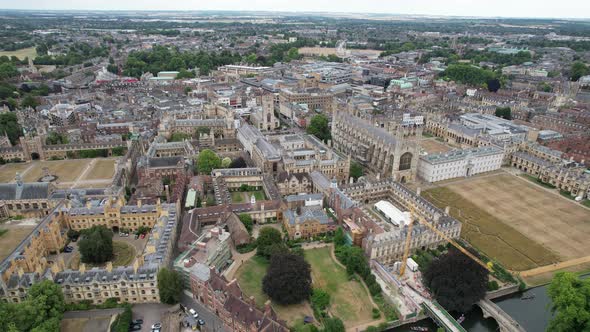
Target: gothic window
405, 162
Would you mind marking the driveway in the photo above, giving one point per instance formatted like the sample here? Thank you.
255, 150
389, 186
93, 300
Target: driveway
212, 322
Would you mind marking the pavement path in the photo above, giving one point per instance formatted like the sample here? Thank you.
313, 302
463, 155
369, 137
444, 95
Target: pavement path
554, 267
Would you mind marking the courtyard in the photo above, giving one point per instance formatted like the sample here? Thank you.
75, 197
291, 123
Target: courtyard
349, 299
125, 250
71, 173
244, 196
517, 223
431, 145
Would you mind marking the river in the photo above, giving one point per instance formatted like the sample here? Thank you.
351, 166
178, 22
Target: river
533, 314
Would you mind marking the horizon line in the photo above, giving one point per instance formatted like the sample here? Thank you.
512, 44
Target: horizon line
301, 12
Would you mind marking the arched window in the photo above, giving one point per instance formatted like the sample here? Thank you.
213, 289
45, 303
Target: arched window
405, 162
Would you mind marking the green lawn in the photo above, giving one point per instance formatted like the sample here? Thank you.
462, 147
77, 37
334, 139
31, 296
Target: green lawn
250, 277
349, 299
124, 253
244, 196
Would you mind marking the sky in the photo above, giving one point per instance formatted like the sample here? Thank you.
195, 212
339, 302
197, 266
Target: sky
486, 8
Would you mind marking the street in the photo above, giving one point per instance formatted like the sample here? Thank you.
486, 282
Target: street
212, 322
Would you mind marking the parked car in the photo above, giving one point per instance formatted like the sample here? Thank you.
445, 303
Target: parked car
123, 234
155, 330
156, 326
201, 322
137, 322
194, 313
135, 328
142, 236
68, 249
136, 236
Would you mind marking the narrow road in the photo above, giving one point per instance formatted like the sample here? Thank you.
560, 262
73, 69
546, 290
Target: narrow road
213, 322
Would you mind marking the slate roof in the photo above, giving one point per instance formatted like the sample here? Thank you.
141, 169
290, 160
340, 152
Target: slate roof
34, 190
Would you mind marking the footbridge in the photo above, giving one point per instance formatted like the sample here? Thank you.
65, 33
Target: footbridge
442, 317
506, 323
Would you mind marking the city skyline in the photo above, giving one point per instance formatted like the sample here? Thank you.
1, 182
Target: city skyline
503, 8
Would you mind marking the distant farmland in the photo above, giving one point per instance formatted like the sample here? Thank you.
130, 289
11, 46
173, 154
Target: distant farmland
21, 54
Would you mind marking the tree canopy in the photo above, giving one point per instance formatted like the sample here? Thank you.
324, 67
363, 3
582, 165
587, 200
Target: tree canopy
246, 219
456, 281
288, 279
238, 163
266, 238
504, 113
207, 161
56, 138
96, 245
318, 126
41, 311
169, 285
578, 70
9, 125
333, 324
356, 170
570, 303
468, 74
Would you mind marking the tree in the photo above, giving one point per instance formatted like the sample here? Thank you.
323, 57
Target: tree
356, 170
207, 161
318, 126
493, 85
225, 162
7, 70
246, 219
29, 101
96, 245
288, 279
339, 239
578, 70
169, 285
42, 310
56, 138
267, 237
179, 137
9, 125
320, 299
504, 113
468, 74
238, 163
333, 324
456, 280
570, 303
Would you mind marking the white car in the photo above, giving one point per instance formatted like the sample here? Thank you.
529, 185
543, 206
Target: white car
193, 313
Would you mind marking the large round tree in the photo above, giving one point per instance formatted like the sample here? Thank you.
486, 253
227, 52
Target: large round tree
456, 281
288, 279
96, 245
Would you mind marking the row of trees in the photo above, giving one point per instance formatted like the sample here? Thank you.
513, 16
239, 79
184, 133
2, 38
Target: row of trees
76, 54
162, 58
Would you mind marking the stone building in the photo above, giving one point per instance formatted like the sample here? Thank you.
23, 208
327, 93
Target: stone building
226, 300
381, 239
136, 283
293, 183
459, 163
264, 117
26, 199
390, 155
